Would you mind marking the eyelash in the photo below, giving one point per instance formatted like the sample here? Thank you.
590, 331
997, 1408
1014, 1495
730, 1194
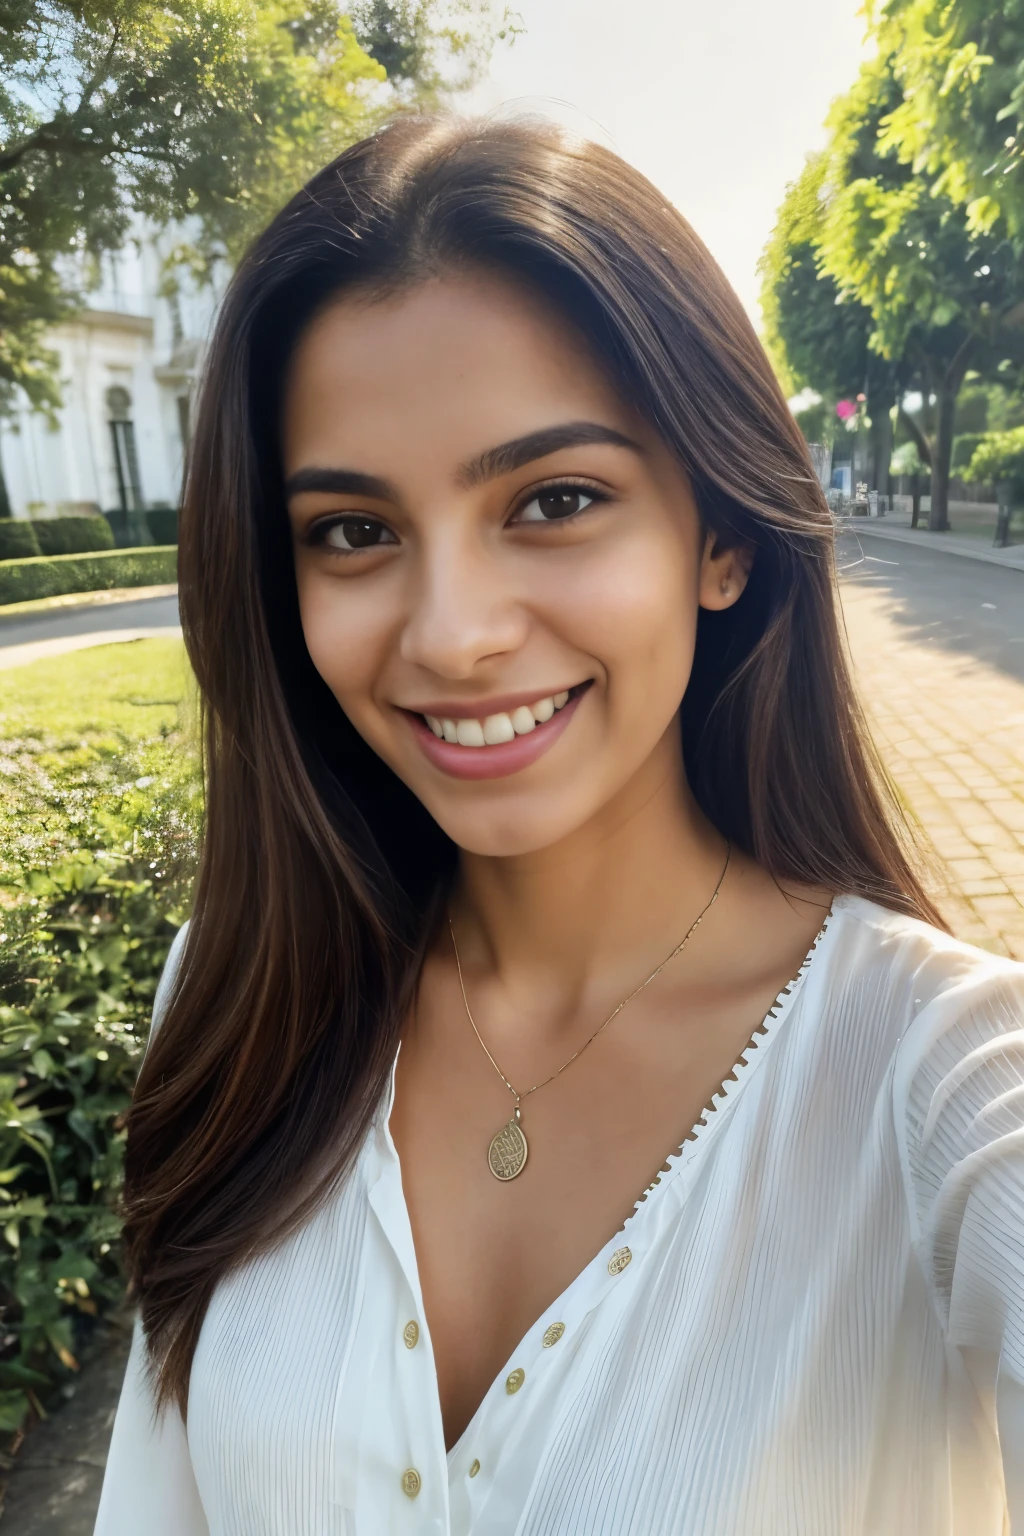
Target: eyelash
318, 533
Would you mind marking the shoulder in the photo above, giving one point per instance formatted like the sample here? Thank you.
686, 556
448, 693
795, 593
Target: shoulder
917, 974
957, 1087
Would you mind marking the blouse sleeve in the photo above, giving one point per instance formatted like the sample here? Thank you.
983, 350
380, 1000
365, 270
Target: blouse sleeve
959, 1100
149, 1483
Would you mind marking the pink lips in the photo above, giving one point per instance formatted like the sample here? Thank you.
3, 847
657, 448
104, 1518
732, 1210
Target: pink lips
492, 762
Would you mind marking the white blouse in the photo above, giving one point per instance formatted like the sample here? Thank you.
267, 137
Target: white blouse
811, 1325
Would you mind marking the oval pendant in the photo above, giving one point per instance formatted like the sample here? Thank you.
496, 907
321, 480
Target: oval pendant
506, 1155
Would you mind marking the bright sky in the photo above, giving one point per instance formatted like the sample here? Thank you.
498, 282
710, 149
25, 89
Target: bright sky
717, 101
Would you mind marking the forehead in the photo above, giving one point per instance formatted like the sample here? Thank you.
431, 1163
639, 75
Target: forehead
439, 370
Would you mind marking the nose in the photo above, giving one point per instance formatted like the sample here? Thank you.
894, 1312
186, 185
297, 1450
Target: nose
463, 608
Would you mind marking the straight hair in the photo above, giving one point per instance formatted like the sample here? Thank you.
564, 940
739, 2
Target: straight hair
321, 875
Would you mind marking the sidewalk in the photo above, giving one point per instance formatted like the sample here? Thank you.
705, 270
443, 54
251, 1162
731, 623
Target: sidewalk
950, 729
896, 527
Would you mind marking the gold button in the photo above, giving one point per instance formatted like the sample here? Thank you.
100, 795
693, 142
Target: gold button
411, 1335
618, 1261
474, 1469
514, 1380
553, 1334
411, 1482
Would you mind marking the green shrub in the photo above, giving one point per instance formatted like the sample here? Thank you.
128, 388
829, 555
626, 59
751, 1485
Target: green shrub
17, 539
132, 530
73, 535
98, 828
49, 576
964, 447
999, 456
163, 524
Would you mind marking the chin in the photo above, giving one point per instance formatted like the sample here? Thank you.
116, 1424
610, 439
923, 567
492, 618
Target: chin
500, 833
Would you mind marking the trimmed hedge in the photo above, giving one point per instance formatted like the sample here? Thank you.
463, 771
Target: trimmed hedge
73, 535
18, 540
158, 525
53, 575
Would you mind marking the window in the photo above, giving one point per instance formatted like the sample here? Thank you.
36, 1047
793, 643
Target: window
126, 463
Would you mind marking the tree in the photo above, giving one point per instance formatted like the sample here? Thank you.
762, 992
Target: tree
816, 335
942, 297
213, 111
960, 119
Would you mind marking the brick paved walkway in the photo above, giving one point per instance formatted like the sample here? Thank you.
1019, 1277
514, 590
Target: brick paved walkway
951, 731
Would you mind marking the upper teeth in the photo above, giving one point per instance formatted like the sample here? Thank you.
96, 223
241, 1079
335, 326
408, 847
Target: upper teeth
494, 729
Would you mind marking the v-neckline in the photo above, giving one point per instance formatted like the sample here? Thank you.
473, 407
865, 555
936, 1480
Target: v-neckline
700, 1135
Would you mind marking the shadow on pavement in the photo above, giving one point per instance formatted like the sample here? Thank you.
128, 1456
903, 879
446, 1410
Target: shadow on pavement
962, 606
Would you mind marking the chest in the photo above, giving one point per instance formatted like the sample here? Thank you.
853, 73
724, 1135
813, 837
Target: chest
724, 1374
493, 1254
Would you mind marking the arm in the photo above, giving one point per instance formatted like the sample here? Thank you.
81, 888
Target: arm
959, 1098
149, 1484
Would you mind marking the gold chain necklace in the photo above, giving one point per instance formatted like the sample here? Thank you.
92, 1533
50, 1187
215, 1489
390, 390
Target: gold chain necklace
508, 1150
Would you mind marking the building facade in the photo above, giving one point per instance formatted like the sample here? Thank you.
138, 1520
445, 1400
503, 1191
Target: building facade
128, 365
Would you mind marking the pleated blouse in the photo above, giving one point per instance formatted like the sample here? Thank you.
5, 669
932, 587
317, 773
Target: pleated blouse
812, 1324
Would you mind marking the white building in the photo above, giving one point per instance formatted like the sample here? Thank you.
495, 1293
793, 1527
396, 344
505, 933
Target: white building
128, 364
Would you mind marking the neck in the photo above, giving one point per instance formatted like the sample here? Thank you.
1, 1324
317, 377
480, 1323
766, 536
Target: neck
615, 892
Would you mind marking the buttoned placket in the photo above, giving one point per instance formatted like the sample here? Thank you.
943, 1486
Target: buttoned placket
465, 1493
408, 1451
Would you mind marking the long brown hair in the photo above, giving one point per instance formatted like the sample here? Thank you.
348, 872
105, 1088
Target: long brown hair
320, 872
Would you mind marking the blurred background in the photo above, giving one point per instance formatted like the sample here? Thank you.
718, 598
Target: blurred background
857, 171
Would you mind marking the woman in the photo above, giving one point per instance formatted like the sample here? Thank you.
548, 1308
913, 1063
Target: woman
567, 1113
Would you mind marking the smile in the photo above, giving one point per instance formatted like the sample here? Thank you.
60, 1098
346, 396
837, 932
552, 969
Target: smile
493, 730
491, 745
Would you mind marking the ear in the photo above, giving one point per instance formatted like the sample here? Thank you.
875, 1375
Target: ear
723, 573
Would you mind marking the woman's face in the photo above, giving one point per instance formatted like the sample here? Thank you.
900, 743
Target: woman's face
499, 565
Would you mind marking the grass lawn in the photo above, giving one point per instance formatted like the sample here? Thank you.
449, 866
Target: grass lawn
85, 739
131, 691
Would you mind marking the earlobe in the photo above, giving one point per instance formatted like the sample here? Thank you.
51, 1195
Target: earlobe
724, 574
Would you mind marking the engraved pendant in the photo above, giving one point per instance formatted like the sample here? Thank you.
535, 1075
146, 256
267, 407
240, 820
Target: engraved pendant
507, 1153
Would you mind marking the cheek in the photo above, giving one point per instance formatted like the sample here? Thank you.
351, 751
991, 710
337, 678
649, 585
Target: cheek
346, 632
636, 612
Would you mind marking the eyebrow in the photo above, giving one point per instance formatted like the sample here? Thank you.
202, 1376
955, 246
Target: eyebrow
350, 482
488, 465
537, 445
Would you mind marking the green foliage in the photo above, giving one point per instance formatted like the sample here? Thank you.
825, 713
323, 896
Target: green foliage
933, 287
131, 530
906, 460
18, 540
936, 295
98, 827
819, 423
964, 445
214, 110
960, 117
816, 336
73, 535
51, 575
999, 456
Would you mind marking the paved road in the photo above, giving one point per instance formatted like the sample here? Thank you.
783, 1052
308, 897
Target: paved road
963, 607
144, 613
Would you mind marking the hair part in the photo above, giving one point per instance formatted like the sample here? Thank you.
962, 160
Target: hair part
321, 875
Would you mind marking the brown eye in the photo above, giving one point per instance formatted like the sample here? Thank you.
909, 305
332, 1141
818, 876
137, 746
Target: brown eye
351, 533
555, 502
